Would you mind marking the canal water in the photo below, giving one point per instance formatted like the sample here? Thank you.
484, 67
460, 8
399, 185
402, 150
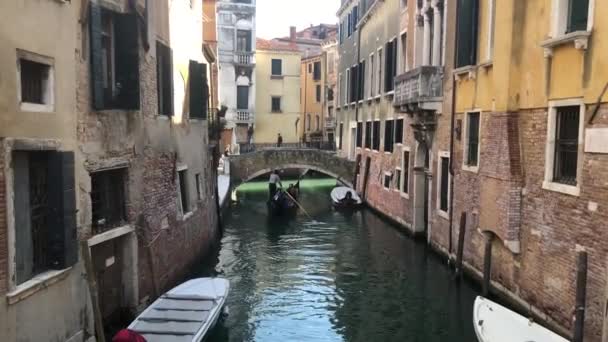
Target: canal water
333, 276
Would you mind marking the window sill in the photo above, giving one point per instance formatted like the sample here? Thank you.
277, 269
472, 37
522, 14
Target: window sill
579, 38
186, 216
562, 188
36, 107
486, 65
405, 195
443, 214
277, 77
473, 169
110, 234
37, 283
467, 72
390, 93
277, 112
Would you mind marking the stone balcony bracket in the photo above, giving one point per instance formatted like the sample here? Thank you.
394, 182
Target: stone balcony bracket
580, 39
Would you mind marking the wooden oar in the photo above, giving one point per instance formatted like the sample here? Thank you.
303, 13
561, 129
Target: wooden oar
299, 205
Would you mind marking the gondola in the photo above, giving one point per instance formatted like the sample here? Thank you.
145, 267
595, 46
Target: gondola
338, 195
283, 203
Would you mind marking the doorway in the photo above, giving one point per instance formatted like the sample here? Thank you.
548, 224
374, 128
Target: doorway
421, 189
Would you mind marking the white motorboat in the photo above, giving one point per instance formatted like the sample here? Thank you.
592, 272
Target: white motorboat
184, 314
339, 193
495, 323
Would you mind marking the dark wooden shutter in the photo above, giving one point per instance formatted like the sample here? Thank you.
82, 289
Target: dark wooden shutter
97, 93
127, 61
388, 136
196, 77
205, 91
242, 97
394, 64
466, 32
578, 13
361, 80
277, 67
63, 244
399, 131
21, 203
341, 134
388, 67
443, 200
359, 134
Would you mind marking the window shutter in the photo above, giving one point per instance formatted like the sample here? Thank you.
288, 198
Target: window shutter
394, 64
388, 64
63, 244
97, 96
242, 97
205, 91
23, 235
466, 33
127, 61
578, 14
197, 102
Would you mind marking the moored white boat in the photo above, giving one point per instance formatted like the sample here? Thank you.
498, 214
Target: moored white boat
339, 193
185, 313
495, 323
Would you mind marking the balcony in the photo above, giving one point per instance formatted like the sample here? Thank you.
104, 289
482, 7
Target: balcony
244, 116
244, 58
419, 89
330, 123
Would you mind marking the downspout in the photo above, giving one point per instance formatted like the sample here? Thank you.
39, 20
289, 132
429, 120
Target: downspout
452, 126
304, 126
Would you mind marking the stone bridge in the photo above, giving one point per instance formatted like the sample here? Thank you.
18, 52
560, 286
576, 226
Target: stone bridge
246, 167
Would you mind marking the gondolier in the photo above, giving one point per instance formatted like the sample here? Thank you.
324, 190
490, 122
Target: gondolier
272, 184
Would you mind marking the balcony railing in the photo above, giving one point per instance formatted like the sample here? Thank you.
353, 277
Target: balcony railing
244, 58
330, 122
244, 116
419, 86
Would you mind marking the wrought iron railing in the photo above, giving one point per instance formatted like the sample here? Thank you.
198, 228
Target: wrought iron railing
419, 85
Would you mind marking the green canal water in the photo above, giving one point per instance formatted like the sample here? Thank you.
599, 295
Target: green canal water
333, 277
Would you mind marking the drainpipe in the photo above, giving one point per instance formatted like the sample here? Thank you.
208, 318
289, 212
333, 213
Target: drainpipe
452, 125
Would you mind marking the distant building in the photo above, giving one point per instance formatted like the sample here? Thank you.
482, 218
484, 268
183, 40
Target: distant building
312, 95
236, 24
310, 39
330, 61
277, 89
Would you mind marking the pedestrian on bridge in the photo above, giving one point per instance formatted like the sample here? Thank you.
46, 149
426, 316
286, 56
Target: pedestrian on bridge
279, 140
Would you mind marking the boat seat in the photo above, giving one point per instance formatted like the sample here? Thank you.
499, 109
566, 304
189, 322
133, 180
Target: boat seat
175, 315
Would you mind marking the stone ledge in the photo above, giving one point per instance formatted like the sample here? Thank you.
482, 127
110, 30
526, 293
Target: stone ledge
37, 283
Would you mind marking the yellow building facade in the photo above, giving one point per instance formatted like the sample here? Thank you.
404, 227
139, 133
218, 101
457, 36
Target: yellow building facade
312, 85
277, 93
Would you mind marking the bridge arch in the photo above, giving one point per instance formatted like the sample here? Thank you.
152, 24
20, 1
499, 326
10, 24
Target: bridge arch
246, 167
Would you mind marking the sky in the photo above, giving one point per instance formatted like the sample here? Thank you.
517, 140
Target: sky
274, 17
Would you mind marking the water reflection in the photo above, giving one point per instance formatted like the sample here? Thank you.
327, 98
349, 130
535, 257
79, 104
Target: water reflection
333, 277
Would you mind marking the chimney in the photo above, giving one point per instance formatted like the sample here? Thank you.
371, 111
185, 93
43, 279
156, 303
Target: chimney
292, 34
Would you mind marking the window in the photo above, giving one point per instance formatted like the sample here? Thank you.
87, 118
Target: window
350, 24
467, 32
36, 78
379, 89
44, 213
331, 62
361, 82
387, 180
341, 132
368, 134
397, 179
399, 131
372, 72
472, 139
114, 59
578, 12
277, 67
164, 77
330, 94
317, 71
354, 80
308, 119
359, 134
389, 139
491, 29
199, 90
376, 136
403, 59
108, 199
199, 186
309, 68
318, 92
340, 90
242, 97
317, 123
184, 203
276, 104
355, 17
347, 92
444, 182
243, 41
566, 145
390, 61
405, 165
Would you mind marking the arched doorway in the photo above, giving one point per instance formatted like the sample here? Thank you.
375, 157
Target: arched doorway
421, 189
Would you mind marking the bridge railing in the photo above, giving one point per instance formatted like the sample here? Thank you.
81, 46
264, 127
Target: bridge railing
316, 145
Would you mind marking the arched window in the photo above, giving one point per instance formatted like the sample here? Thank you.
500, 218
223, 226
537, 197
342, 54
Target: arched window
317, 122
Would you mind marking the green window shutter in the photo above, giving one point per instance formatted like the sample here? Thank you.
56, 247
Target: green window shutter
578, 12
127, 61
205, 93
467, 32
197, 103
63, 242
97, 94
